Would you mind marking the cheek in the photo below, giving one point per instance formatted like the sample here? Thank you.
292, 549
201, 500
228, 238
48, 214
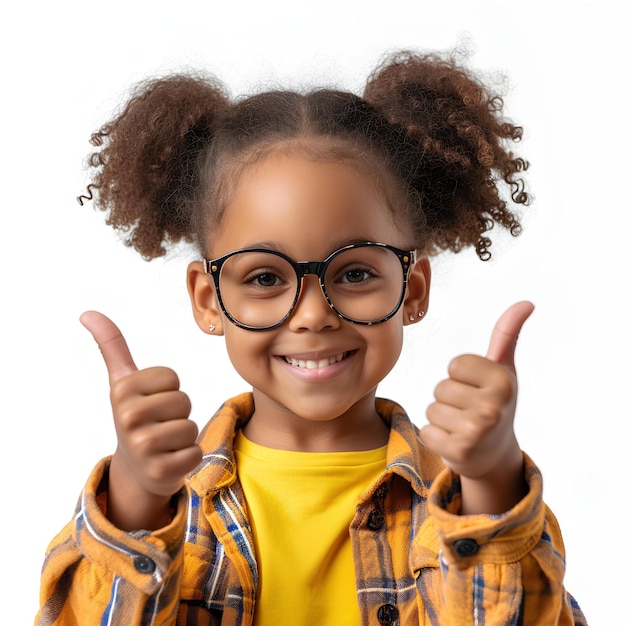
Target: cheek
395, 345
236, 346
387, 344
244, 349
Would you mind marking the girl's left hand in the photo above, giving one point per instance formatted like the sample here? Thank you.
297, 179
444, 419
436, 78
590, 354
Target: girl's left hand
471, 420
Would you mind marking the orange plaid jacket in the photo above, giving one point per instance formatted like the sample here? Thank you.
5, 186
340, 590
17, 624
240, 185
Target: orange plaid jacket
417, 561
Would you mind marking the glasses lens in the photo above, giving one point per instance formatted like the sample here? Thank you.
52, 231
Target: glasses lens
365, 284
257, 288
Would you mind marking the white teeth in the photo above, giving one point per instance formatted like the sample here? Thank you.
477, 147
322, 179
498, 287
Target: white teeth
313, 365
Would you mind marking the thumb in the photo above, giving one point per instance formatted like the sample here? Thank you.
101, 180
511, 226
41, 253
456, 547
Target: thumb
504, 337
112, 344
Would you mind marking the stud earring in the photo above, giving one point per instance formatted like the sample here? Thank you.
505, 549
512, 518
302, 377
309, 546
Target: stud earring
411, 318
421, 314
211, 328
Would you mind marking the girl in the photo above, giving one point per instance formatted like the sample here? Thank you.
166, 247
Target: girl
309, 500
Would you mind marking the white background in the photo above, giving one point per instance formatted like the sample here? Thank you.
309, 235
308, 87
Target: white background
66, 66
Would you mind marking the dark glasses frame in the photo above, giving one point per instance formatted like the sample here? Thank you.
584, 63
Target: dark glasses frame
317, 268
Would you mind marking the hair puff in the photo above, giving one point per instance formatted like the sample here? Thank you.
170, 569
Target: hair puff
146, 165
465, 143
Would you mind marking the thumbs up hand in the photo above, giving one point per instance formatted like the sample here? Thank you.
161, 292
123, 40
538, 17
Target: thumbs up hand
156, 440
471, 421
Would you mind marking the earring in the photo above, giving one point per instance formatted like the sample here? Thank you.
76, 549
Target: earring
211, 328
421, 314
411, 318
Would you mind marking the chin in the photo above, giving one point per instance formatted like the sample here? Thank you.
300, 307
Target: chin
318, 413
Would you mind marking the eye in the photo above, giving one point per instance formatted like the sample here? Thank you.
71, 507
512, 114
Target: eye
356, 275
264, 279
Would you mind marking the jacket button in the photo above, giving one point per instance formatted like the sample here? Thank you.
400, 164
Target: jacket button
387, 614
375, 520
144, 565
466, 547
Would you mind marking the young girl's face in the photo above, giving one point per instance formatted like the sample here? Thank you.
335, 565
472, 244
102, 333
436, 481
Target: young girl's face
307, 210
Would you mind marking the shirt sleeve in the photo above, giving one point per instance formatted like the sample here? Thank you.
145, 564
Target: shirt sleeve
501, 569
95, 573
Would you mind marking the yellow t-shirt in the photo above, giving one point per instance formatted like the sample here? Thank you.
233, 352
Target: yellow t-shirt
301, 505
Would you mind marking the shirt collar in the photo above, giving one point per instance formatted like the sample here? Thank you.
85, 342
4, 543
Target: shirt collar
217, 470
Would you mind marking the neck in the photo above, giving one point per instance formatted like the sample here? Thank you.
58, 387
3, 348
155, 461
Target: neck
275, 426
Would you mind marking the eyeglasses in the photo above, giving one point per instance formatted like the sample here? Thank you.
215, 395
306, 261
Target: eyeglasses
363, 283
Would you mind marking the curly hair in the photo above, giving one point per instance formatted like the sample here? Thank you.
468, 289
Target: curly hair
166, 165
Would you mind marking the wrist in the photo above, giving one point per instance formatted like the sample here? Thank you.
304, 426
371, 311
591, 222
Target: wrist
130, 506
498, 490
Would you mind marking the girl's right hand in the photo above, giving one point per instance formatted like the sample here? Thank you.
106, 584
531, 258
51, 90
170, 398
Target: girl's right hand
156, 441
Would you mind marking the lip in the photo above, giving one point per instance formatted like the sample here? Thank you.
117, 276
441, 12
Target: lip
317, 373
315, 362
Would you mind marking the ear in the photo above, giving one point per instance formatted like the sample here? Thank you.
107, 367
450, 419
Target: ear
204, 302
417, 292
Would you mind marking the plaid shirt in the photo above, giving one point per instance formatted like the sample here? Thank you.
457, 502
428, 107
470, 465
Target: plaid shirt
416, 560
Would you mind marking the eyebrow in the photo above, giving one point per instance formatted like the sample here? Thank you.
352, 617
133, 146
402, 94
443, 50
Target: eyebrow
333, 245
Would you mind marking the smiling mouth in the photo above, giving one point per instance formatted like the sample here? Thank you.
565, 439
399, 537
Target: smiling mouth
316, 364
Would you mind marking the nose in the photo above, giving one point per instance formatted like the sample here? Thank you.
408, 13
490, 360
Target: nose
312, 311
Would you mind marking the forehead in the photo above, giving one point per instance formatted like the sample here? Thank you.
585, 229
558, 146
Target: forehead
308, 208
